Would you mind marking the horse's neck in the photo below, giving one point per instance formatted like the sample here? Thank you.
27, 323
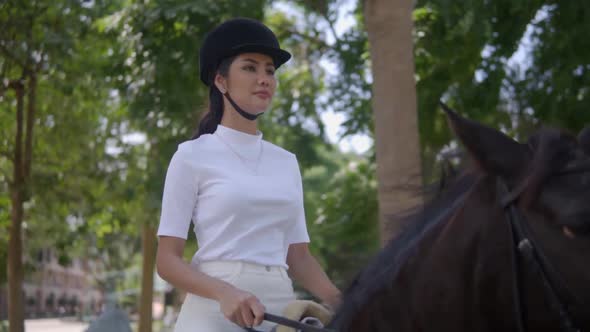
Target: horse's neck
457, 276
465, 264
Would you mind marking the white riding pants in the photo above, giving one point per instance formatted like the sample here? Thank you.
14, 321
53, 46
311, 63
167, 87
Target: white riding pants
270, 284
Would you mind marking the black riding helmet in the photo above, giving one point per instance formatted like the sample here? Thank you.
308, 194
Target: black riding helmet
235, 36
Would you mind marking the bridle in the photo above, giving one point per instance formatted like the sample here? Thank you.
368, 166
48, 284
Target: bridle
526, 248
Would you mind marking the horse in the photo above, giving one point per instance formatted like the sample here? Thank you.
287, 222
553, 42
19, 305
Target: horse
505, 247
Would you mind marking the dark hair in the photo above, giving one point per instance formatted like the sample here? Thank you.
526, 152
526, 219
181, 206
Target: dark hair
212, 117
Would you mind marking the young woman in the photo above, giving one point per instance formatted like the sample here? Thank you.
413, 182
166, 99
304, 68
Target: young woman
243, 194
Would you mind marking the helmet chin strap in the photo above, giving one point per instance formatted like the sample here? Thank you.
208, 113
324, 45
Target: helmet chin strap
248, 116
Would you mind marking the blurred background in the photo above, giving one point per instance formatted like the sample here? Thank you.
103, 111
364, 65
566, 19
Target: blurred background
96, 95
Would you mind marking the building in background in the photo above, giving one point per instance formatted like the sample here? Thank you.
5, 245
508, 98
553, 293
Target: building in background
55, 290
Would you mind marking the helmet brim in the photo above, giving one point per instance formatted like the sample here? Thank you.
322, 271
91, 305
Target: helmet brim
279, 56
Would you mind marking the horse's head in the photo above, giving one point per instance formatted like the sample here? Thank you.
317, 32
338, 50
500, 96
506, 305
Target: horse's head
552, 174
452, 268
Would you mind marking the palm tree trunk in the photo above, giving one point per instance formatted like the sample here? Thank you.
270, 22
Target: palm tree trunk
389, 25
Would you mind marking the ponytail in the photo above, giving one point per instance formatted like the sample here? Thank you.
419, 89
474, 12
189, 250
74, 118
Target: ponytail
210, 120
212, 117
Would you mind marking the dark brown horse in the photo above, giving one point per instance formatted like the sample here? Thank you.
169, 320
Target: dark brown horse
457, 265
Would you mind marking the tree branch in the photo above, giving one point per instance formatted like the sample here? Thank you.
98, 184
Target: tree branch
320, 42
337, 40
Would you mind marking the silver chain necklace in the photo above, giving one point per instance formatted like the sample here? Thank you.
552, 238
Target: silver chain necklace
242, 159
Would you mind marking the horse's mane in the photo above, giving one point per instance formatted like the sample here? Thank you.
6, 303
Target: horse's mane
385, 266
548, 148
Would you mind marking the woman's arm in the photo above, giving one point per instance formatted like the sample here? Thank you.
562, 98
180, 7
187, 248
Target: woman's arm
172, 268
239, 306
306, 270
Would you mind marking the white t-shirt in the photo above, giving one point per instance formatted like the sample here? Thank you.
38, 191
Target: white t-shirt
239, 212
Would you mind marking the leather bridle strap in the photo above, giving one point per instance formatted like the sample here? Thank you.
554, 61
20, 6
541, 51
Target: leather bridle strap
525, 247
504, 196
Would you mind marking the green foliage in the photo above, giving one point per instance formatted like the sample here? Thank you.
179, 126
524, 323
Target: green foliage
75, 122
442, 28
349, 91
543, 83
342, 213
555, 86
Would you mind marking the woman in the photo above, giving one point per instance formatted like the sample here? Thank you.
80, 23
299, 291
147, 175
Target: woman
243, 194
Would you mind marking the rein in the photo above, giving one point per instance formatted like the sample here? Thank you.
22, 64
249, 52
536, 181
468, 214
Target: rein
526, 248
291, 323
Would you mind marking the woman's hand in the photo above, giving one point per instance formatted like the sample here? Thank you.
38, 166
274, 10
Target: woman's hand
241, 307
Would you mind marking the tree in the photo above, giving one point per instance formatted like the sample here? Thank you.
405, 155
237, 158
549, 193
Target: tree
389, 27
48, 92
20, 70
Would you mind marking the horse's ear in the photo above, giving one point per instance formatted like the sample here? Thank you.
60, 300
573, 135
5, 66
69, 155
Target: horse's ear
493, 151
584, 140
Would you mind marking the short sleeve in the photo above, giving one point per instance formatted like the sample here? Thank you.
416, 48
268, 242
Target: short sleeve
179, 198
298, 229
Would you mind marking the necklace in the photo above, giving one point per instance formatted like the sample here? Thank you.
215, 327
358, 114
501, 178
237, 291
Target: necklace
242, 159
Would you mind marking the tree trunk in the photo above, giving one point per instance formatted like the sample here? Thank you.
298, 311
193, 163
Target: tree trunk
148, 244
15, 246
389, 26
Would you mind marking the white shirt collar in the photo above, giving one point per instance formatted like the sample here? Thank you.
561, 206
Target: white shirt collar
236, 137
